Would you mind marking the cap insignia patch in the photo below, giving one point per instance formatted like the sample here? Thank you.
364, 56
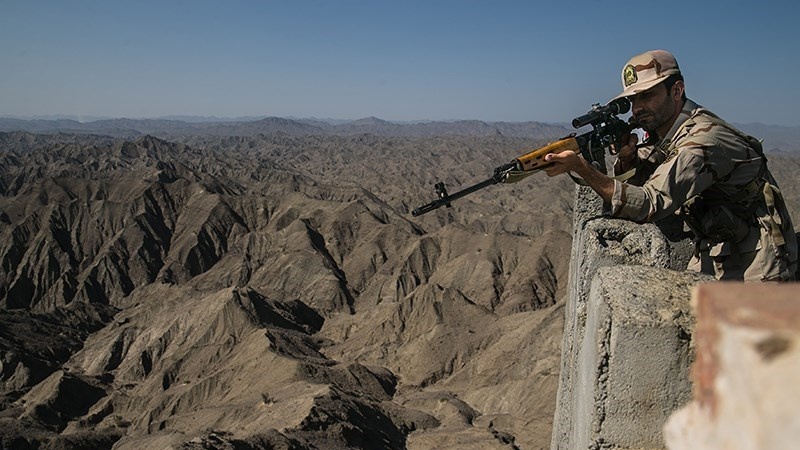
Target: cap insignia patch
629, 75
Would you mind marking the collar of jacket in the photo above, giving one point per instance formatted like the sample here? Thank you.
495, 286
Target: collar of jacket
689, 107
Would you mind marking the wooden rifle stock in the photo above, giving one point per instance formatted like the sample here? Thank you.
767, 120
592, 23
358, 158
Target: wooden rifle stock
534, 160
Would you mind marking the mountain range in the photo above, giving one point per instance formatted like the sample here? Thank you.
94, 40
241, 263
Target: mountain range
775, 137
294, 127
271, 290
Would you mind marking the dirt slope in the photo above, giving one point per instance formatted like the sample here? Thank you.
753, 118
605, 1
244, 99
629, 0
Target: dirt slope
274, 292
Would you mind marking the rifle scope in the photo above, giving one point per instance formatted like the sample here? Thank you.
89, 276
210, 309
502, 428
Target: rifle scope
601, 113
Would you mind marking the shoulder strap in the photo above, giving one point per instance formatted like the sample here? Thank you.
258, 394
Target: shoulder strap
752, 188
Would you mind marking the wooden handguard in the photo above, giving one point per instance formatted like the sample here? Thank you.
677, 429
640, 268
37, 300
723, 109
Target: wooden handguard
535, 159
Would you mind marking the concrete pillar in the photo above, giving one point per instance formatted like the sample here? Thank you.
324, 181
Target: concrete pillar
633, 362
600, 242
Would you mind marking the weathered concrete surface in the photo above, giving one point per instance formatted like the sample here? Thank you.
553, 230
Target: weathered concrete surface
746, 394
633, 363
602, 242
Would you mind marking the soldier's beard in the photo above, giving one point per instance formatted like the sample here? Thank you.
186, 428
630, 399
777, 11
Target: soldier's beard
658, 116
646, 122
651, 121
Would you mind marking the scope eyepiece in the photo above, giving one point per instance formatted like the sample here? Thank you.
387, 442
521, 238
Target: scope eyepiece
619, 106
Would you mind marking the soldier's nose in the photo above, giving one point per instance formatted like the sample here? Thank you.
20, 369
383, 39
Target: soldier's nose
636, 107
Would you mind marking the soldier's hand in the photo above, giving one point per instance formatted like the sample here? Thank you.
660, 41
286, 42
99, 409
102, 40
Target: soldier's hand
563, 162
628, 153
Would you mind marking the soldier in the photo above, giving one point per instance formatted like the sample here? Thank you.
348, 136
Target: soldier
698, 166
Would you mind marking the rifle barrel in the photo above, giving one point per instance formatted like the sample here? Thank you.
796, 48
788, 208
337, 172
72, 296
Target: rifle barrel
438, 203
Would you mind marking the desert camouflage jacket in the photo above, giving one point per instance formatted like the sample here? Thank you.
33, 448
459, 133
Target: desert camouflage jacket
704, 157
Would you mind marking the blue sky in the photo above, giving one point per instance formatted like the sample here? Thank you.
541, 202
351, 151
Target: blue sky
397, 60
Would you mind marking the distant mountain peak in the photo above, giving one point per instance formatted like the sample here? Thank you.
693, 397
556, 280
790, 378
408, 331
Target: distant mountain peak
371, 120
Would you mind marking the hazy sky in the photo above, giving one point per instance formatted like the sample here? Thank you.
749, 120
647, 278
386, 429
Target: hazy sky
397, 60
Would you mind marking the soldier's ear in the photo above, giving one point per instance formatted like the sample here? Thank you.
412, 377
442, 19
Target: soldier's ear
677, 90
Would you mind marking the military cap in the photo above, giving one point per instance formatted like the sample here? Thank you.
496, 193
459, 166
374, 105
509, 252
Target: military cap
647, 70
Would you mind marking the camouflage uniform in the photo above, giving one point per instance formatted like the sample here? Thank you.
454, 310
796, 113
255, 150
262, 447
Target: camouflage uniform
716, 178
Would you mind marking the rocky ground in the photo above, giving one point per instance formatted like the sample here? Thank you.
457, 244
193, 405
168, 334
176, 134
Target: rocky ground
274, 292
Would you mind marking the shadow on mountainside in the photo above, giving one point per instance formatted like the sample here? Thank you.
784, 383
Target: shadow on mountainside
273, 291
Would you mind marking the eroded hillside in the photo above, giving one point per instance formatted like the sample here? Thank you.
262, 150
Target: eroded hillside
274, 292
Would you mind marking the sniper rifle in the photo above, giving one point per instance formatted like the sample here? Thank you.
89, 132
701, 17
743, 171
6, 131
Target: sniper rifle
607, 130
